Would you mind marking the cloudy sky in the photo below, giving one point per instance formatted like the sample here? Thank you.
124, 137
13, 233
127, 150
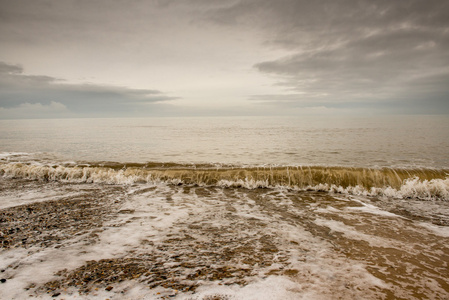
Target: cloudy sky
101, 58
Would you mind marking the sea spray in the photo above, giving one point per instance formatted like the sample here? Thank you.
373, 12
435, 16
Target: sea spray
387, 182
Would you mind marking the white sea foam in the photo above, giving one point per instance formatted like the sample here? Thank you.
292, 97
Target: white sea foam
46, 193
442, 231
369, 208
437, 188
411, 188
9, 155
351, 233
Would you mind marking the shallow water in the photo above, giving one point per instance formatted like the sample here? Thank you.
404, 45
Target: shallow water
189, 242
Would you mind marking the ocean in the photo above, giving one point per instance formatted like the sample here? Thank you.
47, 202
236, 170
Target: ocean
307, 207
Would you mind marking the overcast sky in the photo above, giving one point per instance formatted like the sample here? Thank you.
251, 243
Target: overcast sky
101, 58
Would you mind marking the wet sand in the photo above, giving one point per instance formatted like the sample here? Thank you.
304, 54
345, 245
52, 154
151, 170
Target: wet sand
189, 242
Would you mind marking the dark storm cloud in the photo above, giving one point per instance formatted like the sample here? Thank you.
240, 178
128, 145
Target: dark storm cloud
18, 89
353, 51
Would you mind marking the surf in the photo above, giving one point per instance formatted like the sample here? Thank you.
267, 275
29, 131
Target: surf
420, 183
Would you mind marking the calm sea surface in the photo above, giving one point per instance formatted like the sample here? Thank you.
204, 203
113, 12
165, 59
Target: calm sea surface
388, 141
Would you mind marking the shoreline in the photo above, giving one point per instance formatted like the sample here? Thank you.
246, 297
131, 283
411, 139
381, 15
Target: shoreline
189, 242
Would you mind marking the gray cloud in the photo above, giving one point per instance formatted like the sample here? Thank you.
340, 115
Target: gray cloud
10, 69
345, 52
98, 21
19, 90
364, 54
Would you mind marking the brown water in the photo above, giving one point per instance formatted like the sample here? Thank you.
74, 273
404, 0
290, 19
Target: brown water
426, 184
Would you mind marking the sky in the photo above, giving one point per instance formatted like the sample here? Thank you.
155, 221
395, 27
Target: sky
136, 58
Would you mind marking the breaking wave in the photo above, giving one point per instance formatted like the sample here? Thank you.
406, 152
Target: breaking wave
426, 184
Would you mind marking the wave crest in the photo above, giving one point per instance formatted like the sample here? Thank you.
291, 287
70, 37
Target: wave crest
388, 182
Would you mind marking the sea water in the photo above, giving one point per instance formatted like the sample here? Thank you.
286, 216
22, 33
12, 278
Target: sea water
388, 141
228, 207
